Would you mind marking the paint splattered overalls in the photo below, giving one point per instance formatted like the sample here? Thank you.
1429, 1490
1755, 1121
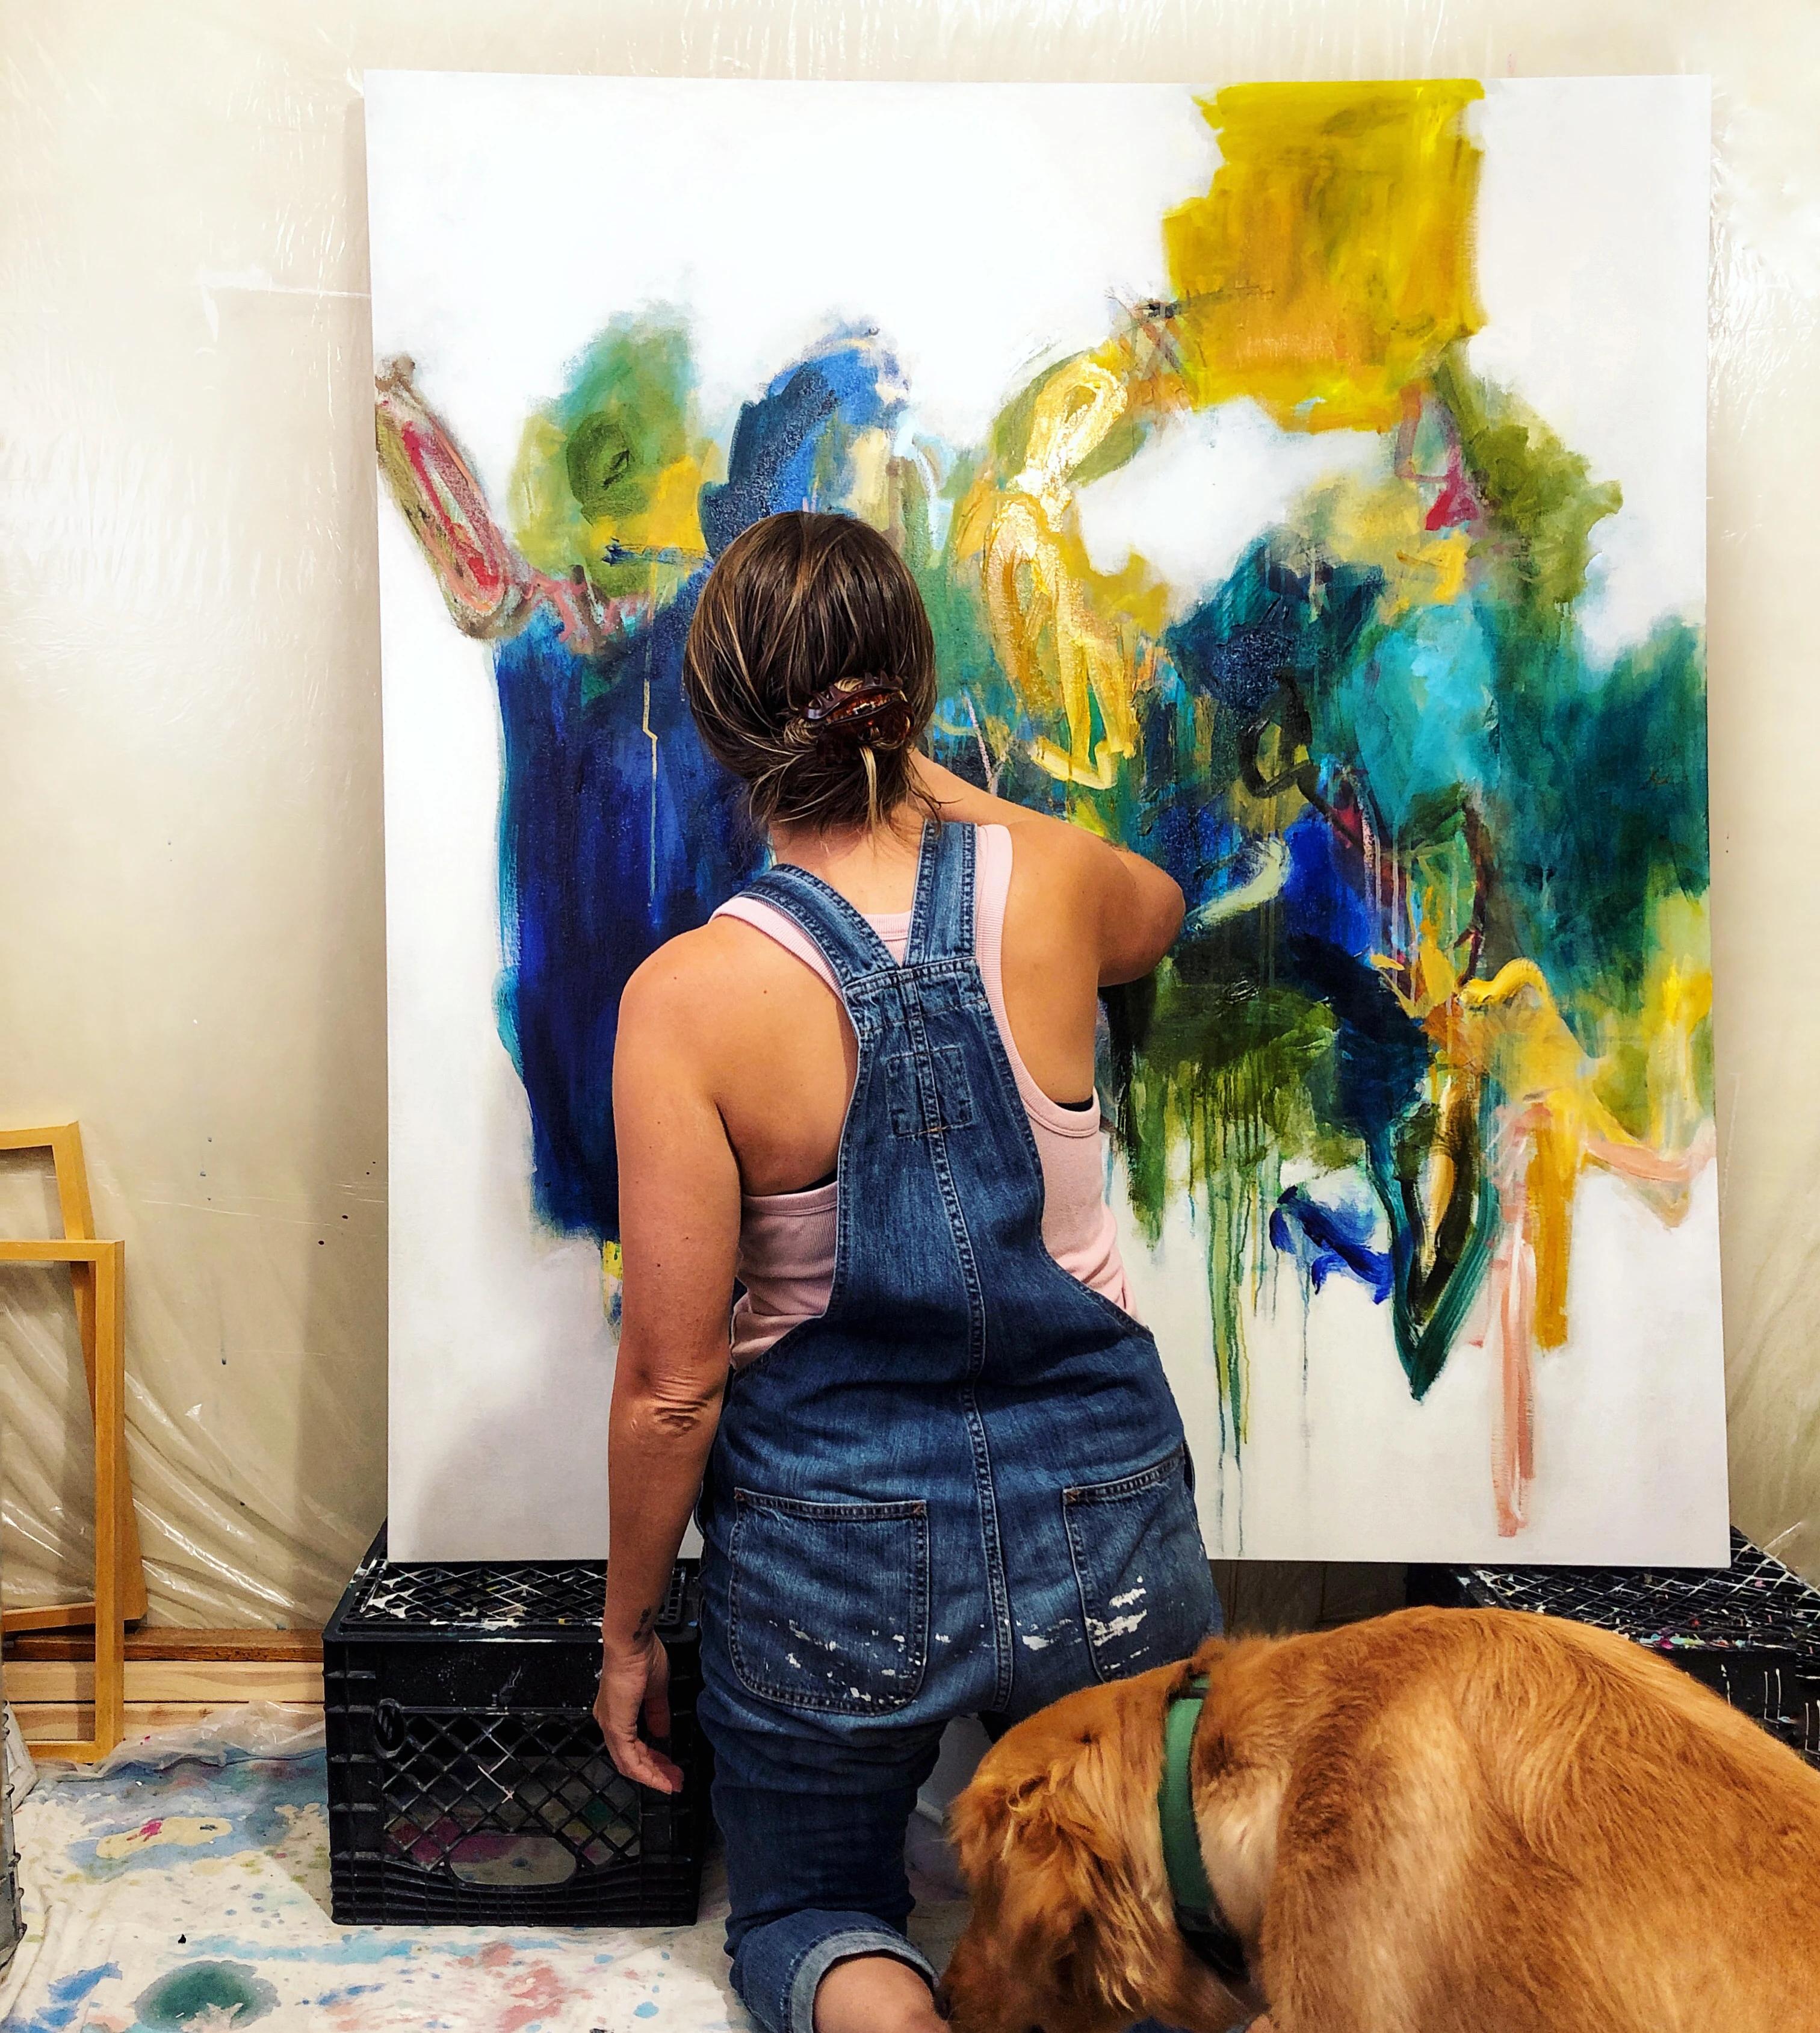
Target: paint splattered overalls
963, 1490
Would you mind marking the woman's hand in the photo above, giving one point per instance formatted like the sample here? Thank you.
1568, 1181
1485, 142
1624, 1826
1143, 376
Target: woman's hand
635, 1677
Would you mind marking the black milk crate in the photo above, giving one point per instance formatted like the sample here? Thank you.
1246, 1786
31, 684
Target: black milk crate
1750, 1631
467, 1782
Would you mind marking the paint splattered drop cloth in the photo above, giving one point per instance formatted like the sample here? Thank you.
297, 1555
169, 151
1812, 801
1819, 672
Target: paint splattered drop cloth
168, 1892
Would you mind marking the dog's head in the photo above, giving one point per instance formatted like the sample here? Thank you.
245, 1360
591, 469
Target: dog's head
1073, 1929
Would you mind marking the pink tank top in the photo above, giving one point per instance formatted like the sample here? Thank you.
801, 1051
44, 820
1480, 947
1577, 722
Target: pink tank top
787, 1240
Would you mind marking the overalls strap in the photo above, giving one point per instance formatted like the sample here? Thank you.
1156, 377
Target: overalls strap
941, 917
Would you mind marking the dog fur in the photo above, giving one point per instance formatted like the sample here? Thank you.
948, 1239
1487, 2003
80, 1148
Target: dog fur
1437, 1821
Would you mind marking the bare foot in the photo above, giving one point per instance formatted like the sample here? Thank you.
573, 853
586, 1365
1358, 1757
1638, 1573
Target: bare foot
874, 1994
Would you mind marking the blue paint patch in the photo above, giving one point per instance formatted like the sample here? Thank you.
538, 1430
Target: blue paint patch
240, 1771
1323, 895
646, 2010
1324, 1239
68, 1994
354, 1949
617, 830
1419, 715
608, 846
246, 1792
790, 449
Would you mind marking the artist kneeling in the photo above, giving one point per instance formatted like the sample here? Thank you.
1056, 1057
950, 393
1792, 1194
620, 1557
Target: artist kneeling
945, 1476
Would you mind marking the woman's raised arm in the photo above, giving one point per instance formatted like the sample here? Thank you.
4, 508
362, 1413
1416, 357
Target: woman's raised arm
1135, 907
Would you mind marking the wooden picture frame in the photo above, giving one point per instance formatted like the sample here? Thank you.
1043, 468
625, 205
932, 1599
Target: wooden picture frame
64, 1142
104, 1265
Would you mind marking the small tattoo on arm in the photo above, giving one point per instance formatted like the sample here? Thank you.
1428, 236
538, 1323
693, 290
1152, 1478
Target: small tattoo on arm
647, 1618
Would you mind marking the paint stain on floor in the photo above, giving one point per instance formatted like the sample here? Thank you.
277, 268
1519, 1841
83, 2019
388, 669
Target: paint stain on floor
205, 1994
185, 1889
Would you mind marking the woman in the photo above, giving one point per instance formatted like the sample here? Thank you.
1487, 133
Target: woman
944, 1475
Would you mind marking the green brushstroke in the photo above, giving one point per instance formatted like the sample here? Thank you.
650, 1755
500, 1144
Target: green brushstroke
624, 416
1430, 1301
1541, 494
1600, 808
1219, 1070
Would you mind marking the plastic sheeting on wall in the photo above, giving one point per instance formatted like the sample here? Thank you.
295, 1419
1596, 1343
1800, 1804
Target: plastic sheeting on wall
193, 955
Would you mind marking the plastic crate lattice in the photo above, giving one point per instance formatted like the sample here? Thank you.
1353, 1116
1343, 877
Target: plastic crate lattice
452, 1778
468, 1783
1749, 1630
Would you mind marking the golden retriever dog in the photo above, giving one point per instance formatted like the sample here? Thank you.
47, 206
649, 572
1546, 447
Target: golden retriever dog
1438, 1822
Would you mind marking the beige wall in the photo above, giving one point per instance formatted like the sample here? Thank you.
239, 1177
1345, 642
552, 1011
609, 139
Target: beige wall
191, 955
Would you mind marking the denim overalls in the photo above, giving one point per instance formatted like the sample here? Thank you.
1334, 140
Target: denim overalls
963, 1490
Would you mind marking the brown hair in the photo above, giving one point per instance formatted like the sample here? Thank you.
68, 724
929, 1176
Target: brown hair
810, 669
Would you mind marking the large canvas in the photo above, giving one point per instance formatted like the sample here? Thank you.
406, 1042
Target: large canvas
1306, 485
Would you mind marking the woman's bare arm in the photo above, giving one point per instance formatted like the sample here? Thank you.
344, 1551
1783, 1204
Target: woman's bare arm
1139, 906
679, 1232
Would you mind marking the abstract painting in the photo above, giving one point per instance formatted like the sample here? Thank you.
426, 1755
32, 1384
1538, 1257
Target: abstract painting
1305, 483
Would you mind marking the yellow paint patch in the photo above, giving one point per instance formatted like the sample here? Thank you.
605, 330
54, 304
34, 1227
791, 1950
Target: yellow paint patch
668, 521
1383, 526
673, 520
175, 1831
543, 513
1677, 999
1070, 637
1333, 260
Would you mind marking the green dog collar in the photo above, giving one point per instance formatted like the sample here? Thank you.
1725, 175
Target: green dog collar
1188, 1884
1197, 1914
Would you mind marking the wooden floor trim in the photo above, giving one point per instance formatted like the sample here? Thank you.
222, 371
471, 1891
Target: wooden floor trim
167, 1642
66, 1680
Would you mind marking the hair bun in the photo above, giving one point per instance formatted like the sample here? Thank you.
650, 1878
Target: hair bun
866, 710
810, 669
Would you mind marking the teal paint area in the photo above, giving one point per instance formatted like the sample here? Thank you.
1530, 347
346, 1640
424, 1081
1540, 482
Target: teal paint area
213, 1993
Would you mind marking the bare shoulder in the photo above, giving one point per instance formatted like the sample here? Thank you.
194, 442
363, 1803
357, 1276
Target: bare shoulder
1129, 909
703, 990
678, 988
1067, 883
1060, 859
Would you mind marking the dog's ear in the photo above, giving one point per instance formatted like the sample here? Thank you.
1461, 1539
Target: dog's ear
977, 1819
1053, 1857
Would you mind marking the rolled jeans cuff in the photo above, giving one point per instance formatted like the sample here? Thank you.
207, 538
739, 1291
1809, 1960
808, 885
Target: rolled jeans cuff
821, 1955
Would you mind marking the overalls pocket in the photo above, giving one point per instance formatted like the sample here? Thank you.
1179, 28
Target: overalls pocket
1146, 1592
828, 1604
954, 1097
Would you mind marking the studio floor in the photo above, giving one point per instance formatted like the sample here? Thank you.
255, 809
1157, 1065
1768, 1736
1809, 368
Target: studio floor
183, 1888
